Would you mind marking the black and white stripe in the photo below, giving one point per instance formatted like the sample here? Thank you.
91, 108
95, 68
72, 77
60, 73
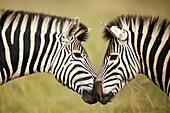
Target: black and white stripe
33, 42
138, 44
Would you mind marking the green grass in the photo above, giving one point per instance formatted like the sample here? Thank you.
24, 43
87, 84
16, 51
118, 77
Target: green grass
41, 93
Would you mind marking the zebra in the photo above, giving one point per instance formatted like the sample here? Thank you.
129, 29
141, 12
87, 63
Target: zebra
137, 44
35, 42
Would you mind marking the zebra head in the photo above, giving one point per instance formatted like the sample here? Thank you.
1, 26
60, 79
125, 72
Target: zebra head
71, 65
118, 66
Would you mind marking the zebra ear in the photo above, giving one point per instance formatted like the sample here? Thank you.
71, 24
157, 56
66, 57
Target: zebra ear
108, 29
116, 32
74, 26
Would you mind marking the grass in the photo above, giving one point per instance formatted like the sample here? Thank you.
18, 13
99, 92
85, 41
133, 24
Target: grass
41, 93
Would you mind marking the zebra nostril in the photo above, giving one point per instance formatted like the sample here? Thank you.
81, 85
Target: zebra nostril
88, 97
107, 98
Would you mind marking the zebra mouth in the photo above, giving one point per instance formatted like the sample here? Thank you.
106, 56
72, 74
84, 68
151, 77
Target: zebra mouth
100, 95
88, 97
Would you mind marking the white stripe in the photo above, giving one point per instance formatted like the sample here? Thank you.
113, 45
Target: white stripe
34, 25
164, 71
66, 25
124, 24
53, 50
1, 12
14, 26
0, 78
50, 58
49, 47
151, 42
163, 41
62, 65
168, 85
7, 51
60, 61
21, 46
58, 27
145, 30
135, 28
43, 32
5, 75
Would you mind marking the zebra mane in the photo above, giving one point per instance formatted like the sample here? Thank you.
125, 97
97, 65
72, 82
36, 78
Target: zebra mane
128, 19
81, 33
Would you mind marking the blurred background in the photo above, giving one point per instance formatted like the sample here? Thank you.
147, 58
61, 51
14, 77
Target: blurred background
41, 93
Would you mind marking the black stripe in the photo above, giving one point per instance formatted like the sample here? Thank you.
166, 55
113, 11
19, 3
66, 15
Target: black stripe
167, 78
59, 59
87, 85
123, 74
3, 63
55, 51
26, 44
64, 77
131, 68
75, 74
14, 52
67, 59
73, 68
2, 76
145, 47
59, 74
112, 79
154, 49
132, 56
113, 66
110, 85
45, 45
112, 74
4, 17
160, 62
132, 59
81, 79
52, 46
37, 44
139, 41
133, 43
124, 64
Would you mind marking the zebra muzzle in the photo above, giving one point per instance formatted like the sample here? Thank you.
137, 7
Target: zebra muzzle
88, 97
99, 94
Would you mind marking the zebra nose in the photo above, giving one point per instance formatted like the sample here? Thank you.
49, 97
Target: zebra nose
99, 94
97, 90
88, 97
107, 98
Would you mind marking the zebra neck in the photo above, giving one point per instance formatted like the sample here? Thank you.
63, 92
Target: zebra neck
32, 48
153, 50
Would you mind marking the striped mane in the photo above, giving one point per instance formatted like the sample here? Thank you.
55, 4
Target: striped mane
81, 33
128, 19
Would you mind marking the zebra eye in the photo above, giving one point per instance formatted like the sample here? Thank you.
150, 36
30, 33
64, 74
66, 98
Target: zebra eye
113, 57
78, 55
